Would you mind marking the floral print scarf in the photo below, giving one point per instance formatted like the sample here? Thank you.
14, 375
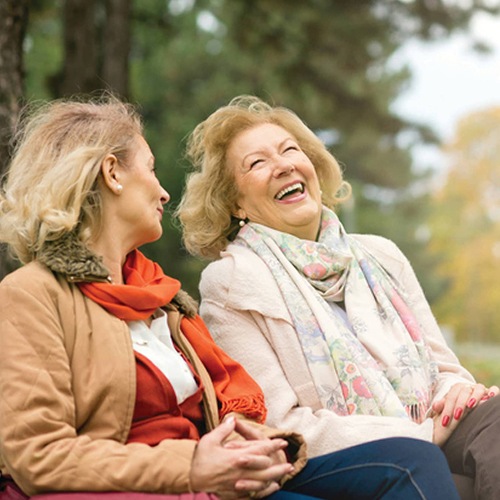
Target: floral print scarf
374, 359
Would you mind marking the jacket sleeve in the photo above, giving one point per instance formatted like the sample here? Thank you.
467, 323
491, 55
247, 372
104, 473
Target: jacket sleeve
242, 334
39, 444
450, 370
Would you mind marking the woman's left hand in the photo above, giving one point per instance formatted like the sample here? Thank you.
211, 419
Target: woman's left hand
461, 399
252, 434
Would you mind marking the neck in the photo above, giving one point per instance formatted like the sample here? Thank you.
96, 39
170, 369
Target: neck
309, 232
112, 253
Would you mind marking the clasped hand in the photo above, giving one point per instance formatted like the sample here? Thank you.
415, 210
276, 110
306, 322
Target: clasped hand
461, 399
238, 469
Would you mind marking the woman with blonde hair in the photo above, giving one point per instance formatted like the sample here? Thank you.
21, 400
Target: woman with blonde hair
334, 327
109, 381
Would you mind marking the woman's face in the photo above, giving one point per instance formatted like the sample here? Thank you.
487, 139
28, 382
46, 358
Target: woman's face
142, 198
277, 182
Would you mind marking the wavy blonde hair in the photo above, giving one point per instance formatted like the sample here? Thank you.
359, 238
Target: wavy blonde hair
51, 187
211, 193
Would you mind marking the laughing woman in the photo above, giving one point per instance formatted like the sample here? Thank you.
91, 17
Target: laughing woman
334, 327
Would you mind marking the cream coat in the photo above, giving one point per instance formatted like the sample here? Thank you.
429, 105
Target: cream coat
68, 386
247, 316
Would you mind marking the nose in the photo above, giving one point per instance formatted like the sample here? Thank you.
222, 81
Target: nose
282, 166
164, 197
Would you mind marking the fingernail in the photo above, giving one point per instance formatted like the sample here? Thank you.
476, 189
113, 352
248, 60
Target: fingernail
491, 394
485, 398
458, 413
471, 403
230, 420
445, 420
291, 468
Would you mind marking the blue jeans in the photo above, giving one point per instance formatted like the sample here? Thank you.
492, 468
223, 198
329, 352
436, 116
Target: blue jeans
389, 469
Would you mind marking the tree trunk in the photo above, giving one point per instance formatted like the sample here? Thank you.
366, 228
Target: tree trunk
80, 71
116, 41
13, 23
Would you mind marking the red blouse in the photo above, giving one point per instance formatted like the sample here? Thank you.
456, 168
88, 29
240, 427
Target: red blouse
157, 416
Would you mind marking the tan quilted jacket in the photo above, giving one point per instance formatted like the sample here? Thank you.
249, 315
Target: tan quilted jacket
67, 387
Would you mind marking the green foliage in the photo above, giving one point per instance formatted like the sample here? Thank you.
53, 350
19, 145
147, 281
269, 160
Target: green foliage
326, 60
465, 222
486, 371
43, 50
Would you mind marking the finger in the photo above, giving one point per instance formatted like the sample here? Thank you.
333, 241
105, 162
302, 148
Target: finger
238, 445
466, 399
268, 447
493, 391
449, 404
438, 406
256, 462
272, 488
478, 393
249, 485
221, 432
273, 473
248, 431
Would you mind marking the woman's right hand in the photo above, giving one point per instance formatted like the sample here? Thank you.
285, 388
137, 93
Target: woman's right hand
442, 432
229, 472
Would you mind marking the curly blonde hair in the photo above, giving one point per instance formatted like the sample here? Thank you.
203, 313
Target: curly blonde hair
211, 193
50, 187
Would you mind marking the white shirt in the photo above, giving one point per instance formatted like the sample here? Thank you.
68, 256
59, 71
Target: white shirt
155, 343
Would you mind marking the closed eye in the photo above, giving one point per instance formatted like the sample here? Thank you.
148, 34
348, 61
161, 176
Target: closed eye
255, 162
291, 148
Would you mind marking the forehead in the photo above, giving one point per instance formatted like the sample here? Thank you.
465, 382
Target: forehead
140, 148
258, 137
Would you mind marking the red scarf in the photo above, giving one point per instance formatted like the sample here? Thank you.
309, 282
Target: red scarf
147, 289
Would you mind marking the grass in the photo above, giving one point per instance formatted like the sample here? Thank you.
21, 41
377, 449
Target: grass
484, 370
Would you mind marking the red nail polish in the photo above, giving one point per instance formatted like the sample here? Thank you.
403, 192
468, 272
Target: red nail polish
458, 413
491, 394
445, 420
485, 398
471, 403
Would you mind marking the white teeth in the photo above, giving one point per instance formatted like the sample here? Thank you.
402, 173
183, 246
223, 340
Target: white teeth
289, 189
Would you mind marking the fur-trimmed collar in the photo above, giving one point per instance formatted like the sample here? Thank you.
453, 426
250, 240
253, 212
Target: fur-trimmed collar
70, 257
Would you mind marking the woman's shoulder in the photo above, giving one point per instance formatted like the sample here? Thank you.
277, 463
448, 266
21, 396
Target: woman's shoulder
374, 242
32, 287
390, 256
32, 276
235, 262
240, 279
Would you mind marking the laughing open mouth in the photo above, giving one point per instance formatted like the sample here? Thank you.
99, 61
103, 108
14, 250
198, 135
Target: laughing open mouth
297, 188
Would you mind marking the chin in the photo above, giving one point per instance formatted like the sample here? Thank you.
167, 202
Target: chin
150, 238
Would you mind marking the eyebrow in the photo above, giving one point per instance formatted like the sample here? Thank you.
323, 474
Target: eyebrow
261, 152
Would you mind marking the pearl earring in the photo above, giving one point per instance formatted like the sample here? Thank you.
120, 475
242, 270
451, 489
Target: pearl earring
119, 188
242, 222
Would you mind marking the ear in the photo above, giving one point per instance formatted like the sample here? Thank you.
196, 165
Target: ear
239, 213
111, 174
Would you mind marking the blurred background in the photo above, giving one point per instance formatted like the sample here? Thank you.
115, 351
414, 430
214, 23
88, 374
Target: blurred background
405, 93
